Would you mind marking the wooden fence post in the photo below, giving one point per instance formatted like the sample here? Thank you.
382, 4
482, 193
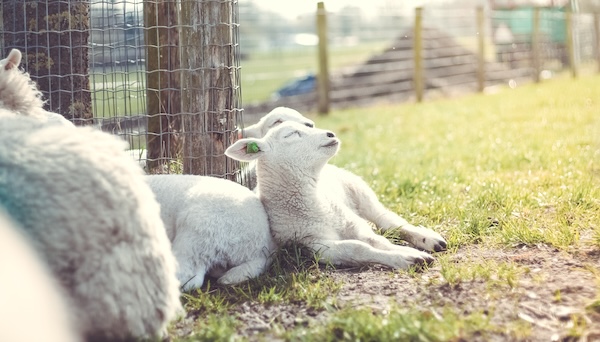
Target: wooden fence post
418, 54
162, 82
569, 42
597, 32
209, 101
535, 45
323, 85
480, 50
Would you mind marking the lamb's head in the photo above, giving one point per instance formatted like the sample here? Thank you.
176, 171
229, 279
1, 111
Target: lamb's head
290, 146
274, 118
18, 93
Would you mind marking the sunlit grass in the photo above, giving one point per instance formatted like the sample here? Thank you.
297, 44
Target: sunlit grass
518, 166
490, 172
265, 72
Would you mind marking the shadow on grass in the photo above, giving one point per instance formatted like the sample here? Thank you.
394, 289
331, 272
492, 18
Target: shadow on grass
295, 276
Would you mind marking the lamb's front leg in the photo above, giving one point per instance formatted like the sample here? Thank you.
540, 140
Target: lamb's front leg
355, 252
420, 237
365, 203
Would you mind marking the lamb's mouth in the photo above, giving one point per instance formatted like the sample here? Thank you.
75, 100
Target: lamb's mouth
331, 143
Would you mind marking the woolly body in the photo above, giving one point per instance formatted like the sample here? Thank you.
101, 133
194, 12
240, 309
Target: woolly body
85, 207
216, 226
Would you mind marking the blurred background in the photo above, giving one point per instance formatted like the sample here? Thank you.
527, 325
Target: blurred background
179, 78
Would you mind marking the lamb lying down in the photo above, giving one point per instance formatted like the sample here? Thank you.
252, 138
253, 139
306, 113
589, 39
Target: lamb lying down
304, 206
215, 226
350, 189
19, 94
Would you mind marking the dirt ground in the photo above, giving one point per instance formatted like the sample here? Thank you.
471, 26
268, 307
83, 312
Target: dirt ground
551, 295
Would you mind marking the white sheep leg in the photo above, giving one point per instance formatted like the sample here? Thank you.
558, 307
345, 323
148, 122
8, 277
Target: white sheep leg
370, 208
190, 270
243, 272
382, 243
355, 252
191, 279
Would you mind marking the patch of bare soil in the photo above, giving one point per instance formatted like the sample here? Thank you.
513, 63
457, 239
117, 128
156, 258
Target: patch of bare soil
549, 295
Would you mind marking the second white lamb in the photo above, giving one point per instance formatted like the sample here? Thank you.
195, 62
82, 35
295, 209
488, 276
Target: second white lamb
215, 226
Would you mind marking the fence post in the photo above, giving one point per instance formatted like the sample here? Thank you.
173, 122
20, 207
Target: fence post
162, 83
481, 50
570, 45
418, 54
535, 44
323, 76
208, 94
597, 32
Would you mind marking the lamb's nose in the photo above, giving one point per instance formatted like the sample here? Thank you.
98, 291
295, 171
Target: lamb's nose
330, 135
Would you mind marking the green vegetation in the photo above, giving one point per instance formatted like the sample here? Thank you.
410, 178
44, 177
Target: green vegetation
265, 72
493, 173
118, 93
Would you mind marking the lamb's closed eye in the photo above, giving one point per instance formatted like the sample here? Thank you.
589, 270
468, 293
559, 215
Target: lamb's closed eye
292, 133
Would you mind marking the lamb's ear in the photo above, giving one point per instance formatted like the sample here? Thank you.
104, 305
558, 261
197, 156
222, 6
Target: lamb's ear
252, 131
247, 149
13, 60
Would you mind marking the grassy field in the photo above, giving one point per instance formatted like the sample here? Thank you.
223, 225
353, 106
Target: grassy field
511, 179
265, 72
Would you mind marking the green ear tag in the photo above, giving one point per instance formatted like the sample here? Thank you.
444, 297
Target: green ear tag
252, 147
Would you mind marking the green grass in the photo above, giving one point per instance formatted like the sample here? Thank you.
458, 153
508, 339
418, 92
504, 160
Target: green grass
519, 166
265, 72
399, 324
516, 168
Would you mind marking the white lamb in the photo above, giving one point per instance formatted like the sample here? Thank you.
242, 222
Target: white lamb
19, 94
87, 210
216, 226
350, 188
28, 293
306, 207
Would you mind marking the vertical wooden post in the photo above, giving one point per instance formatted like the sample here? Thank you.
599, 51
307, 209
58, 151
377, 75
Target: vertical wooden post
418, 54
480, 50
597, 32
535, 45
162, 83
323, 76
569, 42
208, 88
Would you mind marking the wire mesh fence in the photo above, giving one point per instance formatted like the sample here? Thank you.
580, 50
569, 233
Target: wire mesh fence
372, 57
164, 75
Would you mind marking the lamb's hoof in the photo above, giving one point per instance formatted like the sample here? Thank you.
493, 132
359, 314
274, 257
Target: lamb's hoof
420, 262
440, 246
428, 240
